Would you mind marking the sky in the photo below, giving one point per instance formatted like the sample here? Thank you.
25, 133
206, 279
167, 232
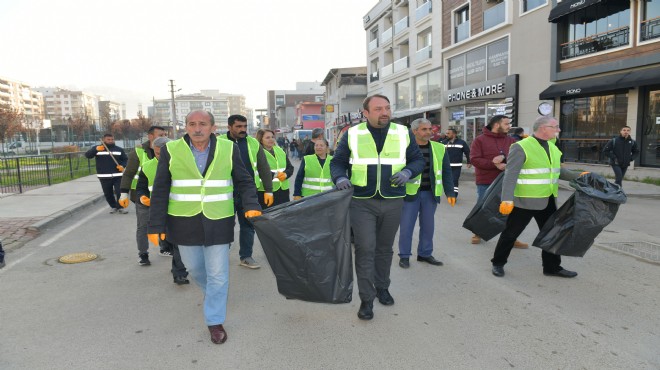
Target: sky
132, 48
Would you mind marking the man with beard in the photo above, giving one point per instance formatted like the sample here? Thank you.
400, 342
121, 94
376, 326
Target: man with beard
456, 149
379, 157
488, 154
621, 151
110, 163
256, 163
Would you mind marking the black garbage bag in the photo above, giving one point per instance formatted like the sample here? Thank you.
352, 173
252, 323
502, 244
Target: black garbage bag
572, 229
308, 246
485, 219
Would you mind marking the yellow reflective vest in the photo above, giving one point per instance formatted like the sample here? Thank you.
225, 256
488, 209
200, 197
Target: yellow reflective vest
149, 168
437, 153
316, 179
190, 193
277, 164
142, 157
539, 176
253, 149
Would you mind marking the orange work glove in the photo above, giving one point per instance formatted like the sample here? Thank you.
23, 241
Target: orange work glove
123, 200
506, 207
281, 176
153, 238
100, 148
145, 200
297, 197
250, 214
268, 199
120, 168
451, 201
584, 173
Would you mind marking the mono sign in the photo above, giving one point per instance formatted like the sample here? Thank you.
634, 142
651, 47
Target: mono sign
579, 3
477, 92
573, 91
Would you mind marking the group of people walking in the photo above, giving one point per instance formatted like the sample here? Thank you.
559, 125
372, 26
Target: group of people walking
187, 191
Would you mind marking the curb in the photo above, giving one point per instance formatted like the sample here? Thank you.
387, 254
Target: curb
62, 215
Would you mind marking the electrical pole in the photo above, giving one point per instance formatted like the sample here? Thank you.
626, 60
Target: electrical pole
173, 109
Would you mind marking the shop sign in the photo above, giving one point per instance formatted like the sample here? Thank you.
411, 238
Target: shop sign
457, 116
477, 92
573, 91
657, 120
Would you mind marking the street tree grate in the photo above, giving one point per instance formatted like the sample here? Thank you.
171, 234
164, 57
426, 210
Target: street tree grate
644, 250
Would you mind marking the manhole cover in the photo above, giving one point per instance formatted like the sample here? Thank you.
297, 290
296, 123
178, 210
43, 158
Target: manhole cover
645, 250
77, 257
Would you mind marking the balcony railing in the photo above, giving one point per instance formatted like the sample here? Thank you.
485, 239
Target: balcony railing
423, 54
423, 10
373, 44
596, 43
462, 31
373, 77
650, 29
400, 26
386, 71
386, 36
401, 64
495, 15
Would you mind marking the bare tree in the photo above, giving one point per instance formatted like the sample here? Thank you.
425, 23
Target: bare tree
10, 122
80, 124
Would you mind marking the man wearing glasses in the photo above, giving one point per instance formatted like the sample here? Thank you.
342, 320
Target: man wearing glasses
529, 190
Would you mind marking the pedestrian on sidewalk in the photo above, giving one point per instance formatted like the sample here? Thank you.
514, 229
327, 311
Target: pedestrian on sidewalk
254, 160
456, 149
143, 192
380, 157
488, 155
280, 167
423, 195
192, 200
136, 160
621, 151
110, 162
529, 190
2, 256
317, 134
314, 172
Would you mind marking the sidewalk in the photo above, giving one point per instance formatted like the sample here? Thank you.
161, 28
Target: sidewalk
24, 216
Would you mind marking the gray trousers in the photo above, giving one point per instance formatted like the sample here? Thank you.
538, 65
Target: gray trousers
374, 223
142, 213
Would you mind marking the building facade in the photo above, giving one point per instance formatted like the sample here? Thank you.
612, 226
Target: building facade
63, 106
281, 105
605, 68
184, 104
21, 97
109, 112
345, 89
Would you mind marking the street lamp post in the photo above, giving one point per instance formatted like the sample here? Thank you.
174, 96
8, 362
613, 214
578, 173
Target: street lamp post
174, 121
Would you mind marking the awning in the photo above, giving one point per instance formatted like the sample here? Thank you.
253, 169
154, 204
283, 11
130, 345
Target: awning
569, 6
617, 81
411, 112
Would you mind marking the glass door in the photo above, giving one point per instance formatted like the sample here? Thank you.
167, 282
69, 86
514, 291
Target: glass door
649, 143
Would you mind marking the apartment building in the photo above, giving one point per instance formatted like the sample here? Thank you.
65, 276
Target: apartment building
62, 106
281, 105
109, 112
605, 69
345, 89
23, 98
184, 104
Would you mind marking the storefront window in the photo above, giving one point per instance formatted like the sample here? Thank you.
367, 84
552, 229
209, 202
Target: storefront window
479, 65
435, 87
649, 142
457, 72
421, 90
403, 95
498, 59
475, 67
587, 123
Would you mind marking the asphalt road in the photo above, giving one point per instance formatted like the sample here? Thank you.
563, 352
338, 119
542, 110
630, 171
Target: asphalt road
113, 314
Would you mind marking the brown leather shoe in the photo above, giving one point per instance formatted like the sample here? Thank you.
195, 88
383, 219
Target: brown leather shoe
520, 245
218, 334
475, 239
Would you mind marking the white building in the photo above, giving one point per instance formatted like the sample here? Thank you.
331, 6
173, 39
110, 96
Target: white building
23, 98
162, 112
345, 89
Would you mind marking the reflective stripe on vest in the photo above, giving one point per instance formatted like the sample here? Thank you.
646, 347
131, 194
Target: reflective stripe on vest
438, 154
539, 176
142, 158
364, 152
316, 179
149, 169
253, 149
190, 193
277, 164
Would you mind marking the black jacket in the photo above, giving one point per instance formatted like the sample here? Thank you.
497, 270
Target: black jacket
198, 230
104, 163
621, 151
456, 149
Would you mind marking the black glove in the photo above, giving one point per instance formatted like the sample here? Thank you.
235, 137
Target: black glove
400, 178
343, 184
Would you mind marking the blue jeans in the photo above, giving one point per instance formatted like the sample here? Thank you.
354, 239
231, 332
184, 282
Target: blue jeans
481, 190
209, 267
246, 234
424, 206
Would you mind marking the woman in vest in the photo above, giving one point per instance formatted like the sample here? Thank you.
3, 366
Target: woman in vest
280, 167
314, 173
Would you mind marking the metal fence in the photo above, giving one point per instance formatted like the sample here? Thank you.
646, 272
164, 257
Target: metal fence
19, 174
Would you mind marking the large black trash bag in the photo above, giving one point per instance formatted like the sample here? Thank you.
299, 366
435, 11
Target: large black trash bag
485, 219
308, 246
572, 229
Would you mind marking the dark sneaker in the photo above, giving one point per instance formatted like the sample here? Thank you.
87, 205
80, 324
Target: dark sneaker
430, 260
404, 263
384, 297
366, 311
181, 280
163, 253
144, 259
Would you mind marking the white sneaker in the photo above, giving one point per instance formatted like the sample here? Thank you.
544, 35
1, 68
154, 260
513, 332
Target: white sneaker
122, 211
163, 253
113, 210
250, 263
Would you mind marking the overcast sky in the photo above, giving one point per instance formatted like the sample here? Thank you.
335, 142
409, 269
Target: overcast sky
240, 47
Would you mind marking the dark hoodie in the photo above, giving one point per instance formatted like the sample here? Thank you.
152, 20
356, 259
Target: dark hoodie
484, 148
